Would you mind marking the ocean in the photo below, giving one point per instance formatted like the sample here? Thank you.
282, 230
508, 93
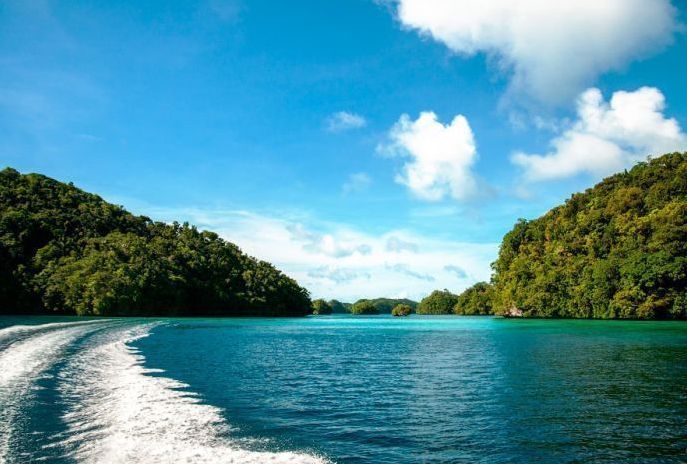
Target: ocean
342, 389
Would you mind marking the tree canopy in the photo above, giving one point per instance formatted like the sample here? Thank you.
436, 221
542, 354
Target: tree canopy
438, 302
618, 250
401, 310
364, 307
67, 251
475, 301
339, 307
320, 306
385, 305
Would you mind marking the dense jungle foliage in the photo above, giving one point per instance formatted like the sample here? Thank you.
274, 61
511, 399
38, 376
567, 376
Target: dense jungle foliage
339, 307
401, 310
66, 251
618, 250
475, 301
320, 307
364, 307
438, 302
385, 305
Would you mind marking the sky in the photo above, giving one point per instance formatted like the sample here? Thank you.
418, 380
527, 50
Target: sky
366, 148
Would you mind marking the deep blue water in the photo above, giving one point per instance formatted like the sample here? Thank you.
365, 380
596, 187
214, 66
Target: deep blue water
343, 389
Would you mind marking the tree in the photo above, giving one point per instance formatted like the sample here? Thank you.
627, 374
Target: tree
476, 300
438, 302
385, 305
320, 306
339, 307
401, 310
64, 250
617, 250
364, 307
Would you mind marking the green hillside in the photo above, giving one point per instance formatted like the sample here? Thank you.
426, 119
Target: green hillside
63, 250
385, 305
618, 250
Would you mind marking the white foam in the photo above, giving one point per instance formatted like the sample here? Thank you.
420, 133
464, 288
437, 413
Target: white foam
19, 332
120, 414
22, 363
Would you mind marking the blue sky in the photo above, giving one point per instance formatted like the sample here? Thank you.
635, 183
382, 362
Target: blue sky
367, 148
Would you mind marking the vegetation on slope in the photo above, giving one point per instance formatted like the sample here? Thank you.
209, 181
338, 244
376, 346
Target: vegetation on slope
339, 307
438, 302
320, 306
618, 250
475, 301
364, 307
401, 310
64, 250
385, 305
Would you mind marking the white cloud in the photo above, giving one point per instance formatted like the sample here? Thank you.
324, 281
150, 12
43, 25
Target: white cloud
398, 245
553, 49
326, 244
357, 183
338, 275
338, 261
343, 120
607, 136
441, 156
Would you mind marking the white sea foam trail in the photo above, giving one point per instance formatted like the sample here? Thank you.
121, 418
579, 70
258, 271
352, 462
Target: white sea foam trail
119, 413
23, 362
15, 333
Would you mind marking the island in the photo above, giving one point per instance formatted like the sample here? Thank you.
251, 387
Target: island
66, 251
401, 310
616, 251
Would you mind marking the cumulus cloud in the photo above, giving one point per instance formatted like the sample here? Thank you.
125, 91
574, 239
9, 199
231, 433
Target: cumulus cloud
607, 136
357, 183
552, 49
440, 156
343, 121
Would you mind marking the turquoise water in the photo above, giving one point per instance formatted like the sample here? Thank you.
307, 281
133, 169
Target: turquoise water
342, 389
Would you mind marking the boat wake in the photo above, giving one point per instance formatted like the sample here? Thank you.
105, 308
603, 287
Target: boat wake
117, 410
28, 351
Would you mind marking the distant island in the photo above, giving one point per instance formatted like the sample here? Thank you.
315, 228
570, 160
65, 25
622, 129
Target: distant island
618, 250
362, 306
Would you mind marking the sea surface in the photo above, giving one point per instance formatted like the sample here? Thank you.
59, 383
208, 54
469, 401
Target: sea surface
342, 389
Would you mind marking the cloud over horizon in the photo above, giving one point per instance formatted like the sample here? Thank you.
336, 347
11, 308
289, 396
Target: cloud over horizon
550, 50
345, 263
607, 136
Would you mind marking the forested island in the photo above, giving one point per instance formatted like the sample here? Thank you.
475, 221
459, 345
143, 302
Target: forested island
618, 250
362, 306
66, 251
